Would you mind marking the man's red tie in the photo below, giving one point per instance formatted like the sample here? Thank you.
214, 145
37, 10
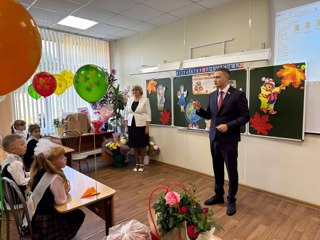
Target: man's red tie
220, 99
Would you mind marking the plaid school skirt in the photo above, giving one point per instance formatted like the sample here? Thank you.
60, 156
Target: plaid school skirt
57, 226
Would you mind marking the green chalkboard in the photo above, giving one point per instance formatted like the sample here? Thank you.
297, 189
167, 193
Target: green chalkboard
284, 117
159, 94
182, 119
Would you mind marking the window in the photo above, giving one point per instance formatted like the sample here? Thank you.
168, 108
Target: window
60, 51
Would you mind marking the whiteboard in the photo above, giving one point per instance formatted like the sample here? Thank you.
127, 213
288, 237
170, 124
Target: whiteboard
312, 114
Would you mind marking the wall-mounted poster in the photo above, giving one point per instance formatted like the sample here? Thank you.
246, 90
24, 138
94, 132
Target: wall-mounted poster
184, 93
202, 84
159, 94
277, 101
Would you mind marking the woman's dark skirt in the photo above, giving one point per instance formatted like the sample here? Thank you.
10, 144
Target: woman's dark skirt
138, 137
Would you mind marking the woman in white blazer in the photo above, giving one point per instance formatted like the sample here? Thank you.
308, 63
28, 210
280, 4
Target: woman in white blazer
137, 122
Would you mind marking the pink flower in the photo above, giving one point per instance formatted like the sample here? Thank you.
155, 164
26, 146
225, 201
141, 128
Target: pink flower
191, 232
205, 210
184, 210
172, 198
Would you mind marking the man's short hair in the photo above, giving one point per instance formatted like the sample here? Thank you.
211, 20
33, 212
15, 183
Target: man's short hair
224, 70
8, 140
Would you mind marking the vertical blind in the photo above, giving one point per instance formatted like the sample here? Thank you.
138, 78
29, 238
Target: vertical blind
60, 51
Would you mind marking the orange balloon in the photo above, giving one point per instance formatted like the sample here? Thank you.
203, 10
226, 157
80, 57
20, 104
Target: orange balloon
20, 46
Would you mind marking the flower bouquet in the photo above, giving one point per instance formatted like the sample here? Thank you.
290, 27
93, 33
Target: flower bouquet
117, 145
153, 149
180, 211
118, 148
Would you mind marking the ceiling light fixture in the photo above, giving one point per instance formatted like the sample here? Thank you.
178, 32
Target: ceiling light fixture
76, 22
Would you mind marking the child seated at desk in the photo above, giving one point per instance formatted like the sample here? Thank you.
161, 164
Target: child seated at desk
18, 127
49, 186
12, 165
34, 136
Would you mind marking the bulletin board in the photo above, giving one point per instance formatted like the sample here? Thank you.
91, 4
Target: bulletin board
277, 96
238, 78
159, 94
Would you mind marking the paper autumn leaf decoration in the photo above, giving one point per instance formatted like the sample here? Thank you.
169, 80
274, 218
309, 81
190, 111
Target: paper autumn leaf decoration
151, 86
165, 117
260, 124
89, 192
291, 74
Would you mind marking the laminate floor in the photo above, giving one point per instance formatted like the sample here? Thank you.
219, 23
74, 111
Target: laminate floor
259, 216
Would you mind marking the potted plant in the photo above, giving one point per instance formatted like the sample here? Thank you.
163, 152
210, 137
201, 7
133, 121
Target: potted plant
59, 125
117, 100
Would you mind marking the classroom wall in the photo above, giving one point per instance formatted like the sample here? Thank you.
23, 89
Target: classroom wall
6, 117
283, 167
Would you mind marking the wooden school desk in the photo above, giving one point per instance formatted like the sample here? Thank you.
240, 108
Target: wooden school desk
101, 204
87, 140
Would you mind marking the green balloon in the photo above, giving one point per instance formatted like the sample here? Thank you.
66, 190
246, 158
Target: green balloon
33, 93
90, 82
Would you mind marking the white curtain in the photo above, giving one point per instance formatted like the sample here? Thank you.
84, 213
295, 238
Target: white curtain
60, 51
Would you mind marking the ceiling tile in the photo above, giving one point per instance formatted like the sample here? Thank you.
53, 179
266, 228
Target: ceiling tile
163, 19
44, 24
104, 29
94, 14
123, 21
59, 6
211, 4
188, 10
142, 27
39, 14
26, 2
142, 12
80, 1
167, 5
124, 33
67, 29
116, 6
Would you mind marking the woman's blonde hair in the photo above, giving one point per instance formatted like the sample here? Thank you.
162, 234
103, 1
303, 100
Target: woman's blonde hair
41, 162
139, 88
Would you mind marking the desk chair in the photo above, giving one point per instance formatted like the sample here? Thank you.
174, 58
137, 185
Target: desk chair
72, 139
15, 203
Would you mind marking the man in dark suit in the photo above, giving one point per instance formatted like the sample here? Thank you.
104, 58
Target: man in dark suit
228, 110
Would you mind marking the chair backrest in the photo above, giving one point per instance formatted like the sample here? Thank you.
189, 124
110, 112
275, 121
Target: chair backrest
16, 201
71, 139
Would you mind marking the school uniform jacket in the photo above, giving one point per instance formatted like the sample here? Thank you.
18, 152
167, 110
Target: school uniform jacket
141, 115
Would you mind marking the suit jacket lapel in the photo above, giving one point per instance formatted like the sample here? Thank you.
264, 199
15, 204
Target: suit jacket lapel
214, 98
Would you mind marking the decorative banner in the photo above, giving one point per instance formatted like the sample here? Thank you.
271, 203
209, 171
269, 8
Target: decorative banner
20, 46
151, 86
161, 99
68, 75
203, 84
32, 93
44, 83
61, 84
159, 94
182, 94
199, 70
2, 98
277, 101
90, 82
